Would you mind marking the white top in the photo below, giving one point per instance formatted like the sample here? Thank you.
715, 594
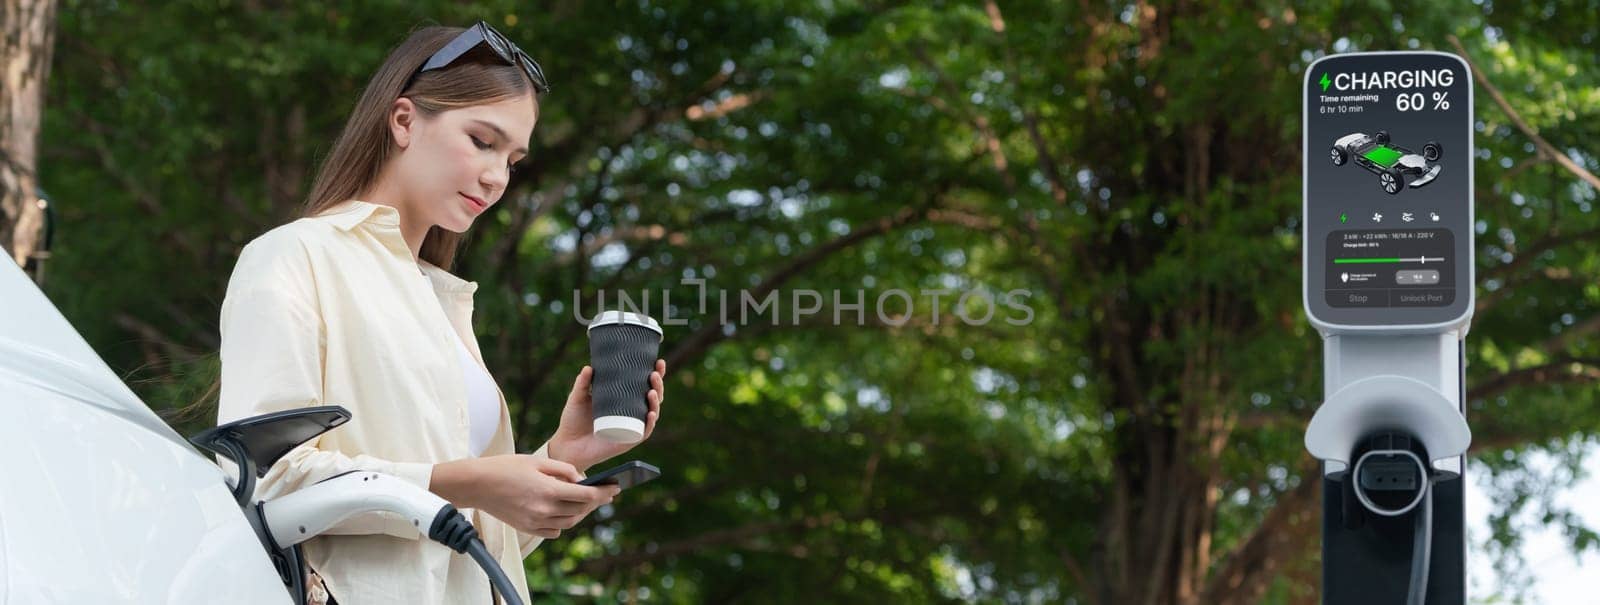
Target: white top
483, 402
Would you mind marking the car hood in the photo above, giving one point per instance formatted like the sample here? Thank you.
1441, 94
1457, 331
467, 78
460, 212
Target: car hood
1412, 160
1350, 139
39, 347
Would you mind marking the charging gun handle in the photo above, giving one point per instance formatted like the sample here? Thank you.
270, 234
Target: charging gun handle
308, 512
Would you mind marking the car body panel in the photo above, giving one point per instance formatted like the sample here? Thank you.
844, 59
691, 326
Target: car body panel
1349, 140
1379, 158
101, 501
1428, 177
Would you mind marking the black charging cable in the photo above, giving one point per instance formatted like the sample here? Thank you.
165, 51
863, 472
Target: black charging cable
1400, 470
452, 529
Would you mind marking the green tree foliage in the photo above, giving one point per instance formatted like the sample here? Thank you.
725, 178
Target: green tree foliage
1128, 173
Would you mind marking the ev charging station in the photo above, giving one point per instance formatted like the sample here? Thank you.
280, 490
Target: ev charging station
1388, 282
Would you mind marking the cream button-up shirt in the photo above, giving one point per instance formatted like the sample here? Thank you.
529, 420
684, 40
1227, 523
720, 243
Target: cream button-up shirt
328, 310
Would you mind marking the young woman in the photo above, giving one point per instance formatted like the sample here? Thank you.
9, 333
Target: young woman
353, 305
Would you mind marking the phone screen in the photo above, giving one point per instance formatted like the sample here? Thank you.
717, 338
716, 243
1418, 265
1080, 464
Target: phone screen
626, 475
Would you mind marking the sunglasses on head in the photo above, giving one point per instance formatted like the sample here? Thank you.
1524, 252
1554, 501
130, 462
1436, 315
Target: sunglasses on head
478, 34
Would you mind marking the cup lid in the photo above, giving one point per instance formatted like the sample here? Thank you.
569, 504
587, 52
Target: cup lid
606, 318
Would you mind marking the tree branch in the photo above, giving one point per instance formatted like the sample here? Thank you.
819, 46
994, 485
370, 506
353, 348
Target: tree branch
1522, 125
986, 133
732, 535
702, 340
1556, 344
1564, 369
1030, 118
154, 336
1548, 243
1283, 534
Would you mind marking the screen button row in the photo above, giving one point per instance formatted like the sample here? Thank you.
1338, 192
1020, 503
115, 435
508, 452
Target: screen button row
1399, 297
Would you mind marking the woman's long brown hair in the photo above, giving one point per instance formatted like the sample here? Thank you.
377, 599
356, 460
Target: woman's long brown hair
365, 144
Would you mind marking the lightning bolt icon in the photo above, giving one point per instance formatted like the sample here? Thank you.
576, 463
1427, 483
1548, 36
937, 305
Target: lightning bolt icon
1324, 82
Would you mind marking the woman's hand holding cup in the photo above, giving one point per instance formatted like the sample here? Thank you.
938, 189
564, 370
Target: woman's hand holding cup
616, 399
576, 441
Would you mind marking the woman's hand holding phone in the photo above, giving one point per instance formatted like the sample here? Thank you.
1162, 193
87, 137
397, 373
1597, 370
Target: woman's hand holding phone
535, 494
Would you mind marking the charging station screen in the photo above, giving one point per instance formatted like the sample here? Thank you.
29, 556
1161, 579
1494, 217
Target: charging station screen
1388, 189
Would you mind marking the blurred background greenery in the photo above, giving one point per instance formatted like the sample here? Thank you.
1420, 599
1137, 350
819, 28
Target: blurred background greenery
1134, 167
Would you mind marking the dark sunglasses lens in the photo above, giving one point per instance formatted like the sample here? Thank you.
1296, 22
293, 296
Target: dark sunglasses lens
534, 73
498, 43
510, 53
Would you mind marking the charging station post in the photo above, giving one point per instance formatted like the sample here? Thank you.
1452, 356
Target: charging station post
1388, 282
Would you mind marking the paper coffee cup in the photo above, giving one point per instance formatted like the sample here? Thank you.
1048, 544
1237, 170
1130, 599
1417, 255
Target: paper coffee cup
623, 349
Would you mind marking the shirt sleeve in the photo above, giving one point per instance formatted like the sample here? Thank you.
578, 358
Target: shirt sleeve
273, 344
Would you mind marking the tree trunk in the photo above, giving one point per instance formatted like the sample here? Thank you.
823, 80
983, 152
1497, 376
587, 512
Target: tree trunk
27, 31
1175, 418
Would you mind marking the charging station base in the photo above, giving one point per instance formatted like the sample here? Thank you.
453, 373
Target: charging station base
1371, 565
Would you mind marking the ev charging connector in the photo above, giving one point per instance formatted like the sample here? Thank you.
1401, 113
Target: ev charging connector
1388, 283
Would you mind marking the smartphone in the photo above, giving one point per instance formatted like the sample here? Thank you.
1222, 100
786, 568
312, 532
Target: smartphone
627, 475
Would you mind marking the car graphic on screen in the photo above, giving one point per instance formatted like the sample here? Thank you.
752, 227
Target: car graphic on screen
1395, 166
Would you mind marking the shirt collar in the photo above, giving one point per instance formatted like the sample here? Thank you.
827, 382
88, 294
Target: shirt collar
347, 214
447, 282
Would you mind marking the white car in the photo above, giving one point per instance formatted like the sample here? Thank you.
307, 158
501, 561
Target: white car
1393, 164
102, 502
